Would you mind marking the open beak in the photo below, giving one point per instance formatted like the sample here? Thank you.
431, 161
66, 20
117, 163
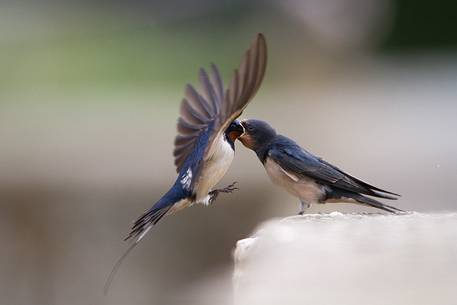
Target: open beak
235, 130
245, 137
244, 130
238, 127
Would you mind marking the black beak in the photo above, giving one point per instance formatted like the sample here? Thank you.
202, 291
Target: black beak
237, 127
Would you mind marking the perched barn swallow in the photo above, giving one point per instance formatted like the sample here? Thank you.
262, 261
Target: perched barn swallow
306, 176
205, 144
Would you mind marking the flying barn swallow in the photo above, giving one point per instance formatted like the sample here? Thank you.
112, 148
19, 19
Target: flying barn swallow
205, 144
306, 176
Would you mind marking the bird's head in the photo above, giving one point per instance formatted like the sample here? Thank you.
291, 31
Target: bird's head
234, 131
256, 133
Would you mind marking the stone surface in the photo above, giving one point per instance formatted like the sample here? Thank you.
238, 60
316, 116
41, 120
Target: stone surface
349, 259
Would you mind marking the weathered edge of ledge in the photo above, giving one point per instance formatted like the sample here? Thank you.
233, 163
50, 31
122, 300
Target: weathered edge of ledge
340, 258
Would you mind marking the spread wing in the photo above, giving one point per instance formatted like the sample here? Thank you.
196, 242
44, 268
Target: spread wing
298, 162
211, 112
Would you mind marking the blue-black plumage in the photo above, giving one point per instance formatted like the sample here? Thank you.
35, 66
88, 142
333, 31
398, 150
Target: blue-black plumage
205, 144
306, 176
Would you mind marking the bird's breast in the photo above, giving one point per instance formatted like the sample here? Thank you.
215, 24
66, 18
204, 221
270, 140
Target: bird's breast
306, 189
214, 168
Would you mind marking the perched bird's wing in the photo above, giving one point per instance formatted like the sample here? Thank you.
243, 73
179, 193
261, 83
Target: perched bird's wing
205, 117
298, 162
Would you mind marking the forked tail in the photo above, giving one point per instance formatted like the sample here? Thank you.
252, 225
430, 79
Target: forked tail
140, 228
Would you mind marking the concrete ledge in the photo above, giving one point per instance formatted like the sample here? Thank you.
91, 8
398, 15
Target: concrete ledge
349, 259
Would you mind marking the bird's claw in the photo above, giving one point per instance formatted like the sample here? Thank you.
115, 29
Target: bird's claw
303, 206
229, 189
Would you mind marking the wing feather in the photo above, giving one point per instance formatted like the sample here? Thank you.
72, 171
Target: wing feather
246, 81
197, 101
217, 81
188, 127
182, 140
294, 159
191, 114
209, 90
213, 111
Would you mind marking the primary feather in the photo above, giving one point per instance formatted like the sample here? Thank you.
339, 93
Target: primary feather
199, 144
292, 158
216, 108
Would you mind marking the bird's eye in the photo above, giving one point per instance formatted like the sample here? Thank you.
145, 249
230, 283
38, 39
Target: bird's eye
249, 128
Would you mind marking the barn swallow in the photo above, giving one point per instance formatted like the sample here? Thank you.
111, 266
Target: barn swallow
205, 144
306, 176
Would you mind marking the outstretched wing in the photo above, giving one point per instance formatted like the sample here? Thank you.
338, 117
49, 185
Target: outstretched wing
212, 112
298, 162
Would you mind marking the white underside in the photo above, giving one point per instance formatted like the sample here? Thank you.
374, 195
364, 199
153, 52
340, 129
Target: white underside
304, 188
214, 168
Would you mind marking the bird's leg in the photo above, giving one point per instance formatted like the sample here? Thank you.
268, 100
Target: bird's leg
303, 206
214, 193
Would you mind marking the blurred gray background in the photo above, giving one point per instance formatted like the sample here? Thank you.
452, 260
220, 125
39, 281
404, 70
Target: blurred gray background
89, 97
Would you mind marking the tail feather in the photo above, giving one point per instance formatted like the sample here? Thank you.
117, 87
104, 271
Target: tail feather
371, 190
375, 193
142, 226
149, 218
117, 265
375, 204
359, 198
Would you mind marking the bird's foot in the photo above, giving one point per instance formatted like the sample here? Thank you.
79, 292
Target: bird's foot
229, 189
303, 206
